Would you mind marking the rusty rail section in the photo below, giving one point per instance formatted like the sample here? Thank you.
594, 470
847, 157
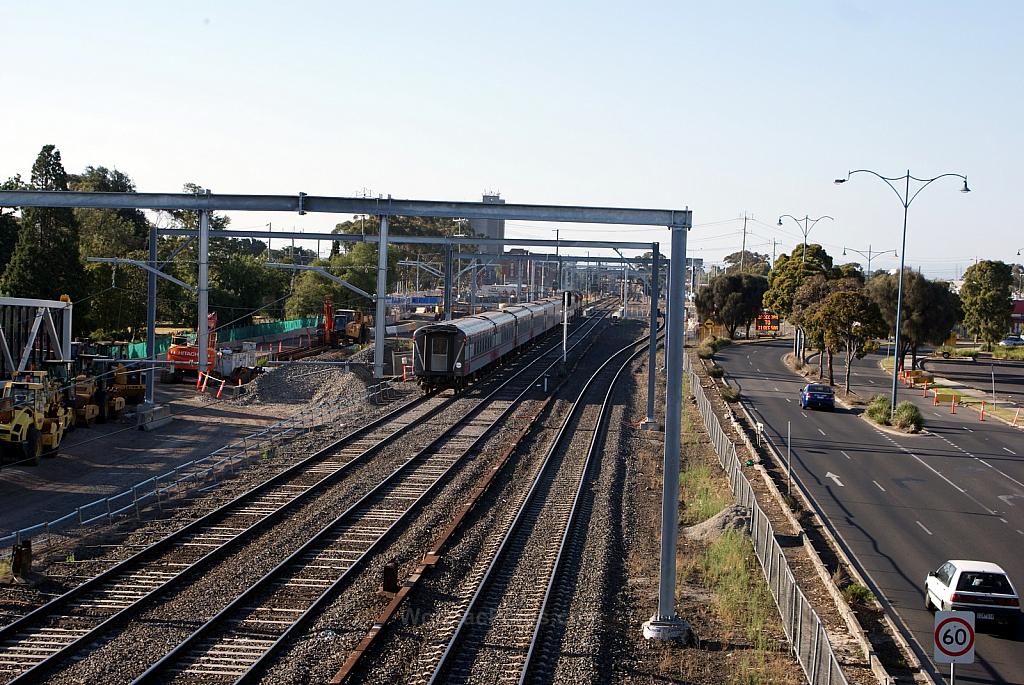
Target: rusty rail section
436, 553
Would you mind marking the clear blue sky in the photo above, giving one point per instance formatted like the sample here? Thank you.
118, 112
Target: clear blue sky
722, 107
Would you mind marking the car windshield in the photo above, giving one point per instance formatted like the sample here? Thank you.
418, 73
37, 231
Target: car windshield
984, 582
819, 388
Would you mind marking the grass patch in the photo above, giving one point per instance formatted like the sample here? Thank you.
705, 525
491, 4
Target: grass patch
702, 498
705, 352
856, 595
717, 343
879, 410
1016, 353
716, 371
730, 394
741, 595
953, 351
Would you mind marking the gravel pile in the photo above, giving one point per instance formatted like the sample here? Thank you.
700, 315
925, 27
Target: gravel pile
302, 384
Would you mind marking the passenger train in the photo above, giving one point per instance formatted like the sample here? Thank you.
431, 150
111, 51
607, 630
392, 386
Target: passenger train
451, 353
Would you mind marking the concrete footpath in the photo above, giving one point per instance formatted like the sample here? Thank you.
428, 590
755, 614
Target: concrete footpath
107, 459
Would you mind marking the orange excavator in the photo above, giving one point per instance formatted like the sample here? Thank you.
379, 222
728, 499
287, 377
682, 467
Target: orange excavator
184, 356
344, 326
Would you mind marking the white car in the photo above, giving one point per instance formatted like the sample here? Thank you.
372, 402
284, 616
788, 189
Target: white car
978, 586
1011, 341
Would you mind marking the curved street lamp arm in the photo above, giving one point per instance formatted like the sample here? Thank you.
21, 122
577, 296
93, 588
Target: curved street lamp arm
928, 181
888, 182
819, 219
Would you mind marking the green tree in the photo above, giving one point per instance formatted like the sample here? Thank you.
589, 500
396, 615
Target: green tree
754, 263
986, 300
9, 227
849, 319
46, 262
789, 272
732, 300
807, 302
930, 310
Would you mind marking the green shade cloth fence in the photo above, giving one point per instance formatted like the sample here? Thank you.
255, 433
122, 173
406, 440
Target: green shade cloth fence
138, 350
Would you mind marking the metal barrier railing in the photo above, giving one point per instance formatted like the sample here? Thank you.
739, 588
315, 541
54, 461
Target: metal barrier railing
802, 625
227, 459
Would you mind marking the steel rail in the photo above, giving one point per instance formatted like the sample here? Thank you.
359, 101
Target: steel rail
596, 440
542, 474
242, 603
139, 560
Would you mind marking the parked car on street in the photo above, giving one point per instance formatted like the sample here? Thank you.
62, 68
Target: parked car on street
817, 395
978, 586
1011, 341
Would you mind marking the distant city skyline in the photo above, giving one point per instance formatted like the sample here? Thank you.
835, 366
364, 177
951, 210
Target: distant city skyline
723, 109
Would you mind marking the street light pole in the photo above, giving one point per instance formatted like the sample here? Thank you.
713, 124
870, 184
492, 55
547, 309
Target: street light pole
804, 228
869, 256
905, 199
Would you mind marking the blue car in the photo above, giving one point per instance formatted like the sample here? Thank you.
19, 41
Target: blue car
817, 395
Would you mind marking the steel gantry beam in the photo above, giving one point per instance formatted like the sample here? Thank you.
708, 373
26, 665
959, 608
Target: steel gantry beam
303, 204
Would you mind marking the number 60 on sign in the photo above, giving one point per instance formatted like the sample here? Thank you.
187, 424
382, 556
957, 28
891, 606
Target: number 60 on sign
954, 637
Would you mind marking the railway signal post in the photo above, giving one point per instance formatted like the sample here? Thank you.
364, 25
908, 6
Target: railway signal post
650, 423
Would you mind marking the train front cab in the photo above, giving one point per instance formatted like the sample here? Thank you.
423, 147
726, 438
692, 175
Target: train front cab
436, 354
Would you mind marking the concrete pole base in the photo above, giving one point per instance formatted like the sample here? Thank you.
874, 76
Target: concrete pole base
672, 629
650, 425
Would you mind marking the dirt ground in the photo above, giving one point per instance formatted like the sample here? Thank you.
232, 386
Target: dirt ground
109, 458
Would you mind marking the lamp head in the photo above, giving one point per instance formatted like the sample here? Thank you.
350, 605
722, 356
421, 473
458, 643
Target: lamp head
844, 251
965, 189
840, 181
780, 221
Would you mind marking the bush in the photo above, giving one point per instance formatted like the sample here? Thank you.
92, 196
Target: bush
908, 417
856, 594
705, 352
716, 371
730, 394
718, 343
879, 410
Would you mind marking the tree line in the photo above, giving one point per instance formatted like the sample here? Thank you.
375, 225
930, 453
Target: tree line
840, 309
43, 255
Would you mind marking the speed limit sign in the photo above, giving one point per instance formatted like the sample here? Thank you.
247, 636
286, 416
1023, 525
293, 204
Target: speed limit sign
954, 637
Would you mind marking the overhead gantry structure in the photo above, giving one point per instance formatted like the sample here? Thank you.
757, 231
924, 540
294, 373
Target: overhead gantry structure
665, 623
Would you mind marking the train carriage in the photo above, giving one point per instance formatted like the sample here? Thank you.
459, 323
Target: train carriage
451, 353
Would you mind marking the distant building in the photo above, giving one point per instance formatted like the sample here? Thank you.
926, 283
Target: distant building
490, 228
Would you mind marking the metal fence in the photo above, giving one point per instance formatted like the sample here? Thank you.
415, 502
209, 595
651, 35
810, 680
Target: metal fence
803, 627
224, 462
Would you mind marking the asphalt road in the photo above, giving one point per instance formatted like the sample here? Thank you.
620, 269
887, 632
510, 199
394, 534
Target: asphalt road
1008, 375
902, 504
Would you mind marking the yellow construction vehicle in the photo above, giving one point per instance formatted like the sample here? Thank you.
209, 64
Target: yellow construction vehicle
26, 433
56, 405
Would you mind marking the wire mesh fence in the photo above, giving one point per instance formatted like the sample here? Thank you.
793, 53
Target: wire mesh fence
801, 623
329, 415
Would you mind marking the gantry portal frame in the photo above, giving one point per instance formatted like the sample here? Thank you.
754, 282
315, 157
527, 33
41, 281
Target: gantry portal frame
665, 623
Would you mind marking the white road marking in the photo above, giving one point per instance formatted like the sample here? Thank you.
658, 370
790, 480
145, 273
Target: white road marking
804, 415
776, 390
937, 414
821, 431
879, 486
835, 478
758, 370
922, 527
788, 400
1010, 451
870, 380
976, 458
1004, 520
967, 429
1020, 531
844, 454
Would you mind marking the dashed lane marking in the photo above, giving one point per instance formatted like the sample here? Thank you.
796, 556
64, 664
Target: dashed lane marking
871, 380
937, 414
967, 429
776, 390
1003, 520
977, 458
804, 415
922, 527
758, 370
1010, 451
788, 400
842, 452
821, 431
879, 486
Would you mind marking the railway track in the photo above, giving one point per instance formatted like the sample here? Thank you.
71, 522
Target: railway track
501, 623
238, 642
39, 642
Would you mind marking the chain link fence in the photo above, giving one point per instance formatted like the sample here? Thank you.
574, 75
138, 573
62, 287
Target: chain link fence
803, 627
329, 415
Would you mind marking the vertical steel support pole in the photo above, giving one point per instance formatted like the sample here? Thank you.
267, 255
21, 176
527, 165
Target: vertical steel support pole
652, 353
151, 319
448, 282
666, 624
382, 296
472, 288
203, 331
519, 276
897, 361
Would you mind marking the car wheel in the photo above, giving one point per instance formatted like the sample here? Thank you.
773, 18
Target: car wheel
928, 602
